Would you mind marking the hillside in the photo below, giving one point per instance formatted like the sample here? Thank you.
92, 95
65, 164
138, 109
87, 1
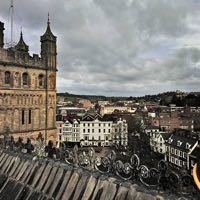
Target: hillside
166, 98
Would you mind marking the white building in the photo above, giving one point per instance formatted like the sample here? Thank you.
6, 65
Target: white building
179, 149
120, 133
95, 131
59, 126
157, 141
109, 109
71, 131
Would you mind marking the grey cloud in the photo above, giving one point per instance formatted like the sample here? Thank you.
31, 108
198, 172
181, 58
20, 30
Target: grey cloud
101, 43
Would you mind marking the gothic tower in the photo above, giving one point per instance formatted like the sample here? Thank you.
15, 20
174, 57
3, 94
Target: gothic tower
48, 48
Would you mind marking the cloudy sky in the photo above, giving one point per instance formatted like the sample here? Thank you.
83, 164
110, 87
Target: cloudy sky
116, 47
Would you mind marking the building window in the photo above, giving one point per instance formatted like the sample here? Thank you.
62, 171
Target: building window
99, 130
108, 130
92, 124
25, 79
83, 130
88, 124
99, 138
7, 77
93, 130
109, 124
85, 137
106, 137
99, 125
88, 130
104, 130
23, 116
84, 124
29, 116
41, 80
184, 155
180, 153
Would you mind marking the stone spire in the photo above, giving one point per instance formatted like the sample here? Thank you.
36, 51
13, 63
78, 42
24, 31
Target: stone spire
48, 35
48, 48
21, 45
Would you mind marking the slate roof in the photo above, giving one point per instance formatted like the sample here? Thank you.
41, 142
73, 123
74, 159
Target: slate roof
196, 152
21, 45
183, 141
165, 135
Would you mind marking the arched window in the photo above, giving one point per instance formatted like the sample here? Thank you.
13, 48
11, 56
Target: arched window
7, 77
25, 79
41, 80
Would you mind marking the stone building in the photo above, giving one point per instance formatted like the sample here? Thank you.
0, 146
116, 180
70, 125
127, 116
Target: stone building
94, 131
28, 88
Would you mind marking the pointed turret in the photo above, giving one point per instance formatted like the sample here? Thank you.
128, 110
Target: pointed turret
48, 35
48, 48
21, 45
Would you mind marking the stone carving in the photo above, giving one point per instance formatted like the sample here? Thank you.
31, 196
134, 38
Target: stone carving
50, 150
40, 146
28, 146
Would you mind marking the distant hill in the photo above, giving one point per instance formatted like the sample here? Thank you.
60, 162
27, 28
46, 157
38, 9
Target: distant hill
92, 98
166, 98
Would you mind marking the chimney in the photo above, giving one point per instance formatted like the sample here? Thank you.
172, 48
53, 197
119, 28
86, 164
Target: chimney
1, 34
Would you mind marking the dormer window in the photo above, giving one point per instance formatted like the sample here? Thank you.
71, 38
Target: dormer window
170, 140
179, 143
187, 145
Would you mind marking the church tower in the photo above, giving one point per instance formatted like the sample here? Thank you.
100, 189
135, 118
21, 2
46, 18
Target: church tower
48, 48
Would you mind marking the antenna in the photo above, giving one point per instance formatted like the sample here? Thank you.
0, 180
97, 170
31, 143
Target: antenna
11, 24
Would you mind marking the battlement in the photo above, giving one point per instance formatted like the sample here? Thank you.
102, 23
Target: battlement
13, 57
18, 55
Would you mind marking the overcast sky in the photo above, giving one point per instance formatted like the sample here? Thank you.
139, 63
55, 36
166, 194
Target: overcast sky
115, 47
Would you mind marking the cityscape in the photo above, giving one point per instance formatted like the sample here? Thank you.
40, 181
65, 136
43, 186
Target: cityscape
94, 113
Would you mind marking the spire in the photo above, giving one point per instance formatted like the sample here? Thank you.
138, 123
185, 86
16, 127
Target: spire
48, 22
21, 45
48, 34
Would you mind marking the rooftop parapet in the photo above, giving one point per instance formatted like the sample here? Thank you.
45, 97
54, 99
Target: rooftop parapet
12, 57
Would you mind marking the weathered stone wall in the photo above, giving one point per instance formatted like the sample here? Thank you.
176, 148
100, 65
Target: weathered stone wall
16, 97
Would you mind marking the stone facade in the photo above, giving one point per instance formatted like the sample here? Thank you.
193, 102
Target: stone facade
28, 88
